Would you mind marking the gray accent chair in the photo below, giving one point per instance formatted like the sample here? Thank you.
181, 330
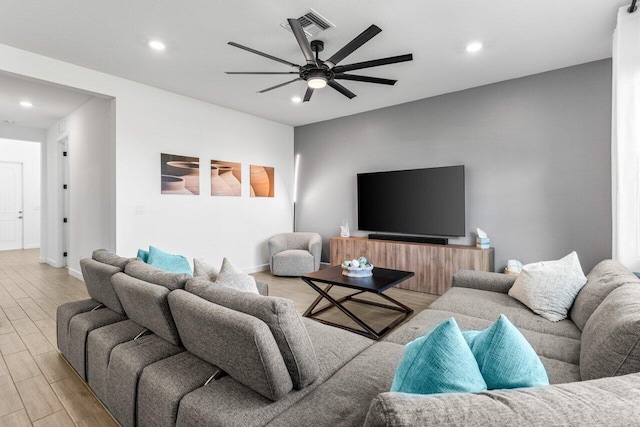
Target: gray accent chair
295, 254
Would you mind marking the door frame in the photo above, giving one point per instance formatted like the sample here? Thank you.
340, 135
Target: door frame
21, 211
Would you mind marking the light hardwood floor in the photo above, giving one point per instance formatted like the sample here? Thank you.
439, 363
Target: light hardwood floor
38, 388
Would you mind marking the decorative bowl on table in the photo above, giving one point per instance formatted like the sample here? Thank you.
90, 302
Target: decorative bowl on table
360, 267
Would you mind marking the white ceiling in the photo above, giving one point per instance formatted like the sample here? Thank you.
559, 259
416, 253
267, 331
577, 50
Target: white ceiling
520, 37
50, 102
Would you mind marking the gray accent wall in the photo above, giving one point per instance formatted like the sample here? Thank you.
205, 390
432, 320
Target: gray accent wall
536, 151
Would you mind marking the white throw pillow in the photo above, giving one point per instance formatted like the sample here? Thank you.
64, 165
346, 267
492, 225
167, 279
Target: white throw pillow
549, 288
231, 276
202, 268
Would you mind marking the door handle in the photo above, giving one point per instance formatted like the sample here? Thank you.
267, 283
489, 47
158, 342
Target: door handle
19, 217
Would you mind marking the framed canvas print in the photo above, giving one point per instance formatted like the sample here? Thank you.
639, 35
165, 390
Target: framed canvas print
179, 174
226, 178
262, 181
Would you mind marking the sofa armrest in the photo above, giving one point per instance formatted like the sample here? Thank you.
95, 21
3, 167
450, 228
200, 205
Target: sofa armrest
277, 243
315, 248
613, 401
483, 280
263, 288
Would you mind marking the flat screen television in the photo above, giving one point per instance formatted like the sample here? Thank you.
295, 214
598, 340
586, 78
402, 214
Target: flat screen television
418, 201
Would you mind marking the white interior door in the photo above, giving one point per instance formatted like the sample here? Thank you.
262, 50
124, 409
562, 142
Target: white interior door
10, 206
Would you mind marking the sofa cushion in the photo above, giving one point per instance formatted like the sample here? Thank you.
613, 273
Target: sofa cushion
142, 255
99, 345
164, 383
106, 257
202, 268
125, 367
64, 313
79, 328
140, 270
233, 277
546, 345
147, 305
605, 402
283, 320
349, 392
440, 362
168, 262
97, 278
611, 337
489, 305
240, 344
560, 372
550, 287
603, 278
505, 358
335, 348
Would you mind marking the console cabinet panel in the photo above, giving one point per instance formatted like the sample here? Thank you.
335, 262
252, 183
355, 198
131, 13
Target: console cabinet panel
433, 265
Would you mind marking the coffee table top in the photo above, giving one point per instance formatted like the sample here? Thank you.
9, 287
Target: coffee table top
382, 279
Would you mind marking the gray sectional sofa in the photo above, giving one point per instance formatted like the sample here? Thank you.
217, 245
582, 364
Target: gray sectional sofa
162, 349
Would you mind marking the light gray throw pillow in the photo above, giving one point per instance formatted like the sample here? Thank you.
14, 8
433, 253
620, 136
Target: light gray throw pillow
233, 277
549, 288
202, 268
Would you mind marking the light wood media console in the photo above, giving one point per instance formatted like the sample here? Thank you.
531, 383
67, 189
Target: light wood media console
433, 265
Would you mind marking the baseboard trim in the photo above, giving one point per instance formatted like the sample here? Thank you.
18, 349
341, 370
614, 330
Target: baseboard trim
257, 268
34, 246
52, 263
75, 273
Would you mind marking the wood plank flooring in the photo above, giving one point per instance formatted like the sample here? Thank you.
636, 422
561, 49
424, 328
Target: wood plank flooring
37, 386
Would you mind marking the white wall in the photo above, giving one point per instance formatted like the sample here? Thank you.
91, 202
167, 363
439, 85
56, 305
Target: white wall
22, 133
149, 121
89, 143
27, 153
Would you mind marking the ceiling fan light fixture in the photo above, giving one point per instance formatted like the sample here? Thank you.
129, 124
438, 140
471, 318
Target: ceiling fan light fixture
317, 82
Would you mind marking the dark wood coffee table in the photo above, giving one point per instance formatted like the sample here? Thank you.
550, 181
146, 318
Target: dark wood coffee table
381, 280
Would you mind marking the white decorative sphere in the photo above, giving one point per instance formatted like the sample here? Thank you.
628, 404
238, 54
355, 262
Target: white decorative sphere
355, 263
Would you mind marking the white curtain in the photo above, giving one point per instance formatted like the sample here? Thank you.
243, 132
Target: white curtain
625, 146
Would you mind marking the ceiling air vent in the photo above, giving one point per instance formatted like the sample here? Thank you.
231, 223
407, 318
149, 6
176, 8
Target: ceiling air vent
312, 23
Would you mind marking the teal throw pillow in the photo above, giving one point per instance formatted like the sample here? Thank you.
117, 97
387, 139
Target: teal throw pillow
440, 362
168, 262
143, 255
505, 357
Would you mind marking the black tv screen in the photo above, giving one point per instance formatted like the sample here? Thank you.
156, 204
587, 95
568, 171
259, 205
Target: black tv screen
419, 201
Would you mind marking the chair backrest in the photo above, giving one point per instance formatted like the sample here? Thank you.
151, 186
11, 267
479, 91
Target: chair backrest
298, 240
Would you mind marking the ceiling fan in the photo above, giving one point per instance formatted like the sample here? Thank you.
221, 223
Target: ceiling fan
318, 73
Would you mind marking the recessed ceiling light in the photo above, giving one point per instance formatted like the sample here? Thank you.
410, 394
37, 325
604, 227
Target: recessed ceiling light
474, 47
296, 99
26, 104
9, 122
157, 45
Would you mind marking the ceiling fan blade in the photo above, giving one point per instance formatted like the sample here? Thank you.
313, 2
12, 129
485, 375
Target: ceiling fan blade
308, 93
302, 41
354, 44
366, 79
266, 55
277, 86
343, 90
260, 72
374, 63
